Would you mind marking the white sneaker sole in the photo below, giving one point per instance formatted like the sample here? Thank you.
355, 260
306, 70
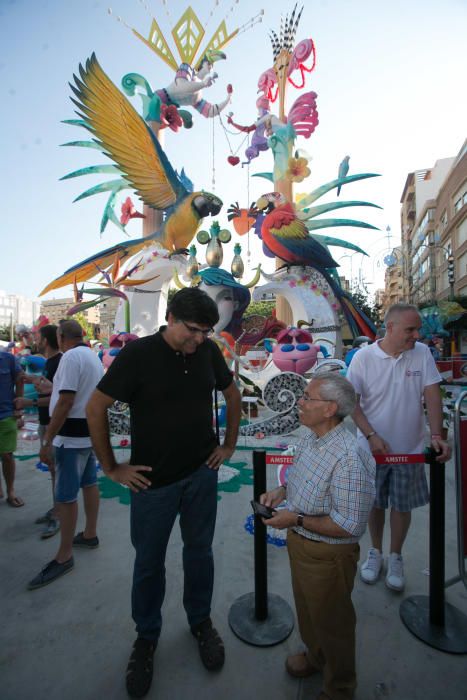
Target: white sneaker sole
370, 583
398, 589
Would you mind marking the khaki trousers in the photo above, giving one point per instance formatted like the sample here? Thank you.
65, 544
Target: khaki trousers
322, 579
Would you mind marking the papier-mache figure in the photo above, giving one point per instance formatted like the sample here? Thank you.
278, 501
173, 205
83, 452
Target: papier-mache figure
186, 89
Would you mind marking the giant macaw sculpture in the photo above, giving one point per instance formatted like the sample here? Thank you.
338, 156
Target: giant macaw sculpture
124, 136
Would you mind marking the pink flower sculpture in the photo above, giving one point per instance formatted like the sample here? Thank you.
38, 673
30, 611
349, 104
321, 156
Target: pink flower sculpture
171, 118
129, 212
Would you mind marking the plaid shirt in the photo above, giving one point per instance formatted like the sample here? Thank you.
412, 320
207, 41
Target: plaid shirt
332, 476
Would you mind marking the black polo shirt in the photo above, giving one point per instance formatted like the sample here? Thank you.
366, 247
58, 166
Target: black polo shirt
170, 399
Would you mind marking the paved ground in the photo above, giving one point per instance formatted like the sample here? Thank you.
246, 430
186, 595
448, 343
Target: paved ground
72, 639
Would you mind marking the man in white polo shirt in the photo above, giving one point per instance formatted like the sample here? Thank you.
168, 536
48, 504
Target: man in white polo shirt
391, 377
67, 433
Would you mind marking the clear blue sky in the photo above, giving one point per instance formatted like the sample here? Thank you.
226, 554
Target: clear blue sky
390, 79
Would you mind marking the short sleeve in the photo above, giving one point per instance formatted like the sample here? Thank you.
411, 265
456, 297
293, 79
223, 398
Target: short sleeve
222, 373
355, 373
120, 382
432, 376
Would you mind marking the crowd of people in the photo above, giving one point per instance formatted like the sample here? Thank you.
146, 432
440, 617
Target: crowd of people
334, 489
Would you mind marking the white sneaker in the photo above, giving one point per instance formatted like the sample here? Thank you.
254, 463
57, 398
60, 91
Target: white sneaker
371, 568
395, 579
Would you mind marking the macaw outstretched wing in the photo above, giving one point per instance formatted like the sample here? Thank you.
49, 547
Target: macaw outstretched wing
125, 137
86, 269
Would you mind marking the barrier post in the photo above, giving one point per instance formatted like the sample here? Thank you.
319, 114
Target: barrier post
438, 624
260, 539
260, 618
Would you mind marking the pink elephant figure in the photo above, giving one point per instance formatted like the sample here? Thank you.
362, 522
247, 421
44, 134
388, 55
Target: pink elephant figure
295, 350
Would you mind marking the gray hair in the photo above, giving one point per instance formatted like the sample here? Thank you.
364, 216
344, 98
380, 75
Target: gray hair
335, 387
70, 329
397, 309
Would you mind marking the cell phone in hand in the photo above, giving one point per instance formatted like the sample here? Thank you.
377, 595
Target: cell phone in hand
263, 511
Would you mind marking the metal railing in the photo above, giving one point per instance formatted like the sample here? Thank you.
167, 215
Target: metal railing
460, 443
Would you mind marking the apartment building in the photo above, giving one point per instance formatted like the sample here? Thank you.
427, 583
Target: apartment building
15, 308
434, 231
107, 313
395, 288
56, 309
101, 317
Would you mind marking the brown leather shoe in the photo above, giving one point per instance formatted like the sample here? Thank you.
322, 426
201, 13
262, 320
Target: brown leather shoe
298, 666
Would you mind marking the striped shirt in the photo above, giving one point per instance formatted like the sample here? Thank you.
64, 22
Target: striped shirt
332, 476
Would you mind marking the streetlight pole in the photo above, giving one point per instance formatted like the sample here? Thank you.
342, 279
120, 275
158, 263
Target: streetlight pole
451, 268
451, 276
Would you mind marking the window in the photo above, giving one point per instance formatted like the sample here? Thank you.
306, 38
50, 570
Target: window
462, 232
460, 198
461, 266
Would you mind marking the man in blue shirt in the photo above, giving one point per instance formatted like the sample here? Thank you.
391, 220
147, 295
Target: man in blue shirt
10, 386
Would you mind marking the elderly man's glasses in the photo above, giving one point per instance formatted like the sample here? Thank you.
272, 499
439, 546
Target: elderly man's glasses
194, 329
305, 397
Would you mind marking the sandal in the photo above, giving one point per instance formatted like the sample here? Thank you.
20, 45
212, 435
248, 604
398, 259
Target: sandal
140, 668
211, 647
15, 501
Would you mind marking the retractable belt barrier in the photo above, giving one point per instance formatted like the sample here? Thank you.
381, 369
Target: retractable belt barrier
430, 618
263, 619
260, 618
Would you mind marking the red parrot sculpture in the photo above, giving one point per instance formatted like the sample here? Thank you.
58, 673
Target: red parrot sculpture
287, 236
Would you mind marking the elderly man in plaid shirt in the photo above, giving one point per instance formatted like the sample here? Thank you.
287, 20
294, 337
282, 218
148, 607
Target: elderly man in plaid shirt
329, 494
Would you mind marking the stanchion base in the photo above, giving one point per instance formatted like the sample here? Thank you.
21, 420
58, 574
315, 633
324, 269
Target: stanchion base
452, 638
261, 633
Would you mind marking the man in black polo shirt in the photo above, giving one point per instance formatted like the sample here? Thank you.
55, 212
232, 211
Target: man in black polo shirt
168, 380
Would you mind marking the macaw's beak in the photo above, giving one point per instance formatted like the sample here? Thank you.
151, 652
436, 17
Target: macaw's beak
264, 204
207, 204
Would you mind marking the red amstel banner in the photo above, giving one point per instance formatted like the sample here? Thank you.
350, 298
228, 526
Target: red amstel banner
399, 459
279, 459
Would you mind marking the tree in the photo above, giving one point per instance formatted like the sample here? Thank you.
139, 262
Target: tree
363, 301
5, 332
260, 308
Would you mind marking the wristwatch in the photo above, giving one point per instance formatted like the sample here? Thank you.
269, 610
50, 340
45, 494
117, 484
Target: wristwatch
34, 402
300, 520
45, 443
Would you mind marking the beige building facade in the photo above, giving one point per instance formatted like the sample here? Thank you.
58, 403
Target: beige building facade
56, 309
433, 235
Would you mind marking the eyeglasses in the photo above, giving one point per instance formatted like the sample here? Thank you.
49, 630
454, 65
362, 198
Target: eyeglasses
194, 329
305, 397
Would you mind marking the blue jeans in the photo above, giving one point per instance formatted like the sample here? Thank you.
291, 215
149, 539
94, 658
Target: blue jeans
153, 514
75, 469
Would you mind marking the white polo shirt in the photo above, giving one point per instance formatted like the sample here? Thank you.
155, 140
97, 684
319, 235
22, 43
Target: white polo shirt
79, 371
391, 391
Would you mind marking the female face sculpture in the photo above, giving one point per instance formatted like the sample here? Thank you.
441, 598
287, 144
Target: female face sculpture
226, 304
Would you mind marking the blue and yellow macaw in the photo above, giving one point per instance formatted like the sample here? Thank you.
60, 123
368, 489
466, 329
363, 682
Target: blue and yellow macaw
123, 135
